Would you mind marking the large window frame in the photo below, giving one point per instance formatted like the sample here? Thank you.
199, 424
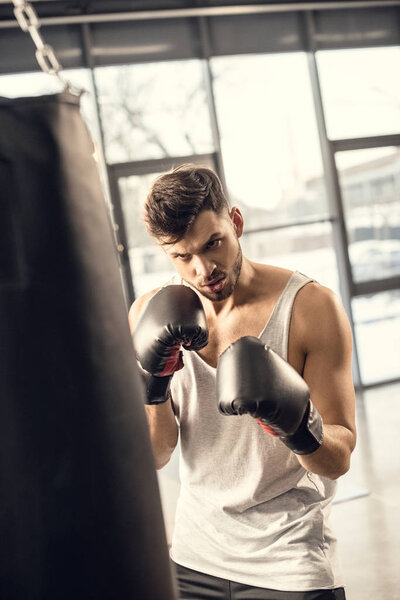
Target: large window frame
205, 43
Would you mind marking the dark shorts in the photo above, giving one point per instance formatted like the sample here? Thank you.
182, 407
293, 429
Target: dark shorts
193, 585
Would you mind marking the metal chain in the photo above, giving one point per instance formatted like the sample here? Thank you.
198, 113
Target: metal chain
28, 20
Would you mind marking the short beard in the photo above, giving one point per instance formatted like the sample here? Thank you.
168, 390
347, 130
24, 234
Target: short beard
229, 285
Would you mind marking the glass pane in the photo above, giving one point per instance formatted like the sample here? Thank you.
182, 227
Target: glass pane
38, 83
361, 91
305, 248
269, 136
154, 110
370, 184
149, 264
377, 328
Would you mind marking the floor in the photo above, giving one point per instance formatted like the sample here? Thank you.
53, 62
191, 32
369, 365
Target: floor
366, 514
366, 517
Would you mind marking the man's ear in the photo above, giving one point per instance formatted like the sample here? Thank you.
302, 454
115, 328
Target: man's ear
237, 220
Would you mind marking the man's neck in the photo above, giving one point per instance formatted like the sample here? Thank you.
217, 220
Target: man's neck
243, 292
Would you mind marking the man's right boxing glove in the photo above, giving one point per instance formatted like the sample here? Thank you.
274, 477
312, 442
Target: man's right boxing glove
172, 317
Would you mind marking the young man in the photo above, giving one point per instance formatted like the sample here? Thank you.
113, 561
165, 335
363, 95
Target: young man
263, 398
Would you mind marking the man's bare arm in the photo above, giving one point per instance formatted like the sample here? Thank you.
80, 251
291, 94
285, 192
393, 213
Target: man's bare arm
163, 432
327, 371
160, 417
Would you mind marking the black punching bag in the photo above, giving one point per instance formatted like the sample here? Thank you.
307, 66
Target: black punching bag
80, 513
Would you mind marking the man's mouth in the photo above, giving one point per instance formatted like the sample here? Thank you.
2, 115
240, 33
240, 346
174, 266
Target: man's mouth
215, 285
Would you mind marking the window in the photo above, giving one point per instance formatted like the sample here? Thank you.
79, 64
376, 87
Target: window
305, 248
269, 137
154, 110
377, 325
371, 191
361, 91
149, 264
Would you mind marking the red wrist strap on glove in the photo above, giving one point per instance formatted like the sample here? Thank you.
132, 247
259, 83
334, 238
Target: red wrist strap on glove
267, 428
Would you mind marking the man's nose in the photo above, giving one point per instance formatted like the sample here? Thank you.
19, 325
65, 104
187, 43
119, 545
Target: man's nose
204, 267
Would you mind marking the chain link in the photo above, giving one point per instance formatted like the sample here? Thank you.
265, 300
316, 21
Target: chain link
28, 20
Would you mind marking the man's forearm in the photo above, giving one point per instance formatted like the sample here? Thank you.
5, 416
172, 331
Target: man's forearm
332, 459
163, 431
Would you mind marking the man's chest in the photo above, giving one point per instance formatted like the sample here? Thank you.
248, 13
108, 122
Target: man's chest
222, 335
224, 331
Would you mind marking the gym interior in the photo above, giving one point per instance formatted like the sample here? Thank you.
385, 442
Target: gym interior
296, 106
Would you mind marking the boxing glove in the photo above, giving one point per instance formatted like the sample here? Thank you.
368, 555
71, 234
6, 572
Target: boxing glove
172, 317
253, 379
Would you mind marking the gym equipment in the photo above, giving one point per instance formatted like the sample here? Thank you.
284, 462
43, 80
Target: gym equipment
80, 512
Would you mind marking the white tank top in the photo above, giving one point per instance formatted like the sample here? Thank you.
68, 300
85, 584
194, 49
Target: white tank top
247, 510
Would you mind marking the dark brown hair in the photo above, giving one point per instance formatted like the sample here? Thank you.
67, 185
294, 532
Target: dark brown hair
176, 198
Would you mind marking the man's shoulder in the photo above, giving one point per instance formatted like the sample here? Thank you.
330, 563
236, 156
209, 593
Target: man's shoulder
310, 298
271, 280
315, 297
144, 298
318, 314
138, 306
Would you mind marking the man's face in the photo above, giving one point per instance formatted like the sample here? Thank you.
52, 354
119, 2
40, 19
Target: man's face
209, 257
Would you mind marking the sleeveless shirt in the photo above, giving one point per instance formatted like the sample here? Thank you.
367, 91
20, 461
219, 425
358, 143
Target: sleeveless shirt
247, 510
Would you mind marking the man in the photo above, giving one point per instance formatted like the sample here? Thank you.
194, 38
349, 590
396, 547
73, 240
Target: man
254, 364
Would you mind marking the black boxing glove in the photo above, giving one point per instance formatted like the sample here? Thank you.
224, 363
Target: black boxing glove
253, 379
172, 317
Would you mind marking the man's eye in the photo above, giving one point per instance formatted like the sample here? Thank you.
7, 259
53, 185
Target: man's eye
214, 243
184, 257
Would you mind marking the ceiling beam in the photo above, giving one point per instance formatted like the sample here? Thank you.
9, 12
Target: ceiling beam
211, 11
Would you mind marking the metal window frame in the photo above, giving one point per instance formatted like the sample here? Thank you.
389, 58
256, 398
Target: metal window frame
349, 289
371, 286
333, 187
363, 143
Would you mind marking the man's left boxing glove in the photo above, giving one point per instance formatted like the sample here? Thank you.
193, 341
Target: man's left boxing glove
253, 379
172, 317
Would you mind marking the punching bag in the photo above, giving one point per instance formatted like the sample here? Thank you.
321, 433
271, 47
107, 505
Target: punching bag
80, 512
